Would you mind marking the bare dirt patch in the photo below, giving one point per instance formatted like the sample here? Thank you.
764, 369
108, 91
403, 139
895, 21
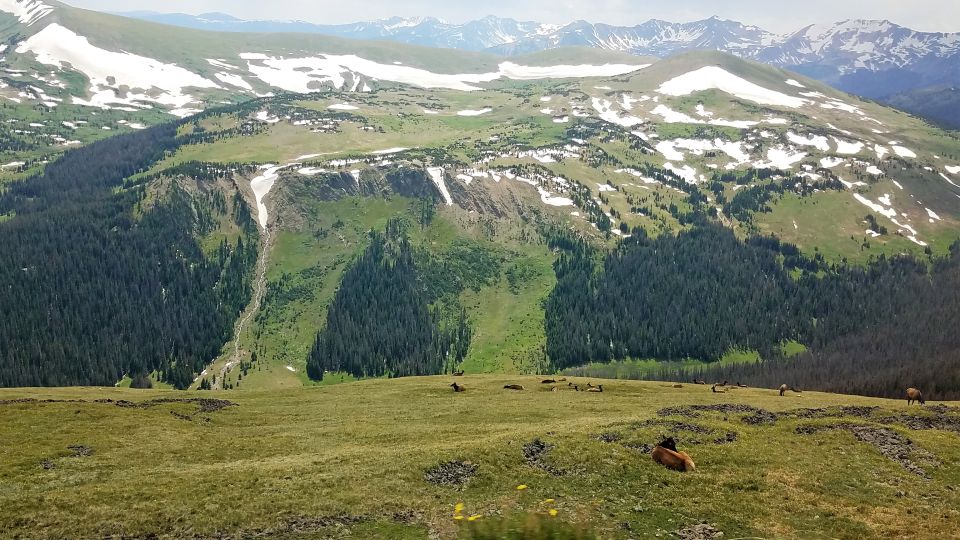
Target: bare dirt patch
451, 473
888, 442
535, 453
754, 415
700, 531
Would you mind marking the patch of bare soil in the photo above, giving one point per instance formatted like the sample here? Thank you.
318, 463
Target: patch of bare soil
675, 425
204, 405
451, 473
80, 450
535, 453
888, 442
729, 437
700, 531
755, 416
608, 437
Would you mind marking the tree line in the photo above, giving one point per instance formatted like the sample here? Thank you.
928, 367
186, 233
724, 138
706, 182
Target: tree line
871, 330
381, 323
99, 282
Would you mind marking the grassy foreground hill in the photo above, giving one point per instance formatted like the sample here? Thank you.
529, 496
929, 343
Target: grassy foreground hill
392, 458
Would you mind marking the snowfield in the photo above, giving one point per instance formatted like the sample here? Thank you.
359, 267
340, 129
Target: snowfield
781, 158
234, 80
846, 147
605, 108
307, 74
57, 46
27, 11
817, 141
261, 186
436, 174
903, 151
713, 77
477, 112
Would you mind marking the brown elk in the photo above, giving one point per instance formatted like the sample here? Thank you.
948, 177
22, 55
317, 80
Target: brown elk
783, 389
914, 395
598, 388
666, 454
458, 373
548, 381
458, 387
513, 387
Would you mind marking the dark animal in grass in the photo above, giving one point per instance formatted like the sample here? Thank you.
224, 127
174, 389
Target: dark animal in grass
548, 381
783, 389
598, 388
555, 389
513, 387
666, 454
589, 385
715, 391
914, 395
741, 385
699, 381
458, 373
562, 379
458, 387
678, 386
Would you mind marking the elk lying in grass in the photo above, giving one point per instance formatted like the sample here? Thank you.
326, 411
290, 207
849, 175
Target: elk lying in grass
458, 387
513, 387
598, 388
667, 455
458, 373
914, 395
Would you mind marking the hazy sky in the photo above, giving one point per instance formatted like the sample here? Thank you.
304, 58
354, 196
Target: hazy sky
777, 16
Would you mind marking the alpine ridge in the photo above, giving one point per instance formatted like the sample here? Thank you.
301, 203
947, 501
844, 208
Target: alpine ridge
866, 57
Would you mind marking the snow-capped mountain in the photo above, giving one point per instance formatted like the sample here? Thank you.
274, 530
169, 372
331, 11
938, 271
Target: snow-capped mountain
870, 58
475, 35
654, 37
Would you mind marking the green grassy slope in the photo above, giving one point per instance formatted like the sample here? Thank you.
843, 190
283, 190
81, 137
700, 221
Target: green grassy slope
349, 460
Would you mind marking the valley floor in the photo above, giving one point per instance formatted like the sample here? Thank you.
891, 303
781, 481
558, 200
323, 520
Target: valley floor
351, 460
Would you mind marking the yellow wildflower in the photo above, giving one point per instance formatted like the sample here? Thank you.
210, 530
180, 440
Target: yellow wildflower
457, 517
521, 487
552, 512
458, 507
474, 517
548, 501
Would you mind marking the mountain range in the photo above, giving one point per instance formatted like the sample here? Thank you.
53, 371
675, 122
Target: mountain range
866, 57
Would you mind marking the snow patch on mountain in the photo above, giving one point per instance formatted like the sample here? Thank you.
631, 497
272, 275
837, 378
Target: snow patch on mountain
234, 80
847, 147
27, 11
163, 83
903, 151
817, 141
713, 77
781, 158
307, 74
605, 108
474, 112
436, 174
261, 186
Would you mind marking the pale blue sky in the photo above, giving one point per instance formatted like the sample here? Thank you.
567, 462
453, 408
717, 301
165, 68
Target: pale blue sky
926, 15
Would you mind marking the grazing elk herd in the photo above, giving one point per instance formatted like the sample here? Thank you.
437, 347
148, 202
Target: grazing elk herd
665, 453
